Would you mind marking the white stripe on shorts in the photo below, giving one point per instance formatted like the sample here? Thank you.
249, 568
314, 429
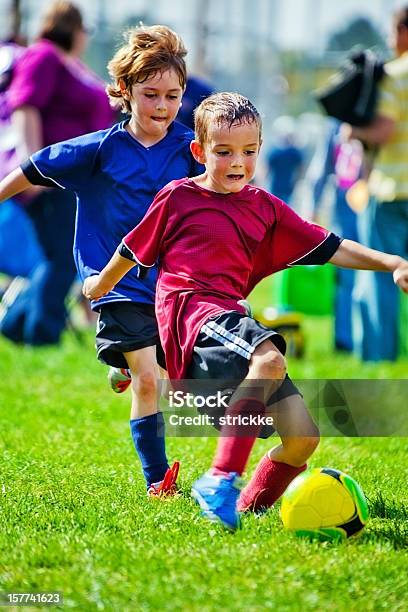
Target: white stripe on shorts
230, 336
228, 339
230, 345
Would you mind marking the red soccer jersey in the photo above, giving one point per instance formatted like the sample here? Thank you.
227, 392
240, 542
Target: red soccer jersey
212, 250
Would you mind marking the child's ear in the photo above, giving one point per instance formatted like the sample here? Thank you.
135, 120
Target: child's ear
123, 89
197, 151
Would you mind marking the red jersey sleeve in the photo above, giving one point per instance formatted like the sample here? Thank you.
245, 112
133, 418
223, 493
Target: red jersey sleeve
144, 241
295, 240
291, 241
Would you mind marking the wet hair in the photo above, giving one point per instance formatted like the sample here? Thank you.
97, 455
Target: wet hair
224, 108
60, 23
149, 50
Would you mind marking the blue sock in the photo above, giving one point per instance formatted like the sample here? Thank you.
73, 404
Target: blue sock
148, 434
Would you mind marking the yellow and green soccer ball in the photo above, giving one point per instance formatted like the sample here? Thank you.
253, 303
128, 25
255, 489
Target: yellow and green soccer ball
324, 504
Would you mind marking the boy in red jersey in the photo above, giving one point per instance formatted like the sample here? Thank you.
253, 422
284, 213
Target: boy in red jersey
215, 236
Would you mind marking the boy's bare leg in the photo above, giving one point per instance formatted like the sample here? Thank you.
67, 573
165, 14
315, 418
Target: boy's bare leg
267, 370
299, 439
146, 423
298, 433
145, 372
217, 492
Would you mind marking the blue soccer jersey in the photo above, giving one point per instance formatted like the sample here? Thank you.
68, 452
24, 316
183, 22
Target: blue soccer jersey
115, 179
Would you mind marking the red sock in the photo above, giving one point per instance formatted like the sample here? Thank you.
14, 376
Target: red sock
236, 440
267, 484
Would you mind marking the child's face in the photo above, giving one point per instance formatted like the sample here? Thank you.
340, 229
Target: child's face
155, 104
229, 155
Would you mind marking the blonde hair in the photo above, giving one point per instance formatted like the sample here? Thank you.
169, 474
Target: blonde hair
149, 50
224, 108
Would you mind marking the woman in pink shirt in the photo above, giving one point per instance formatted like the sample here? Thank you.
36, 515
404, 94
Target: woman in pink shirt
53, 96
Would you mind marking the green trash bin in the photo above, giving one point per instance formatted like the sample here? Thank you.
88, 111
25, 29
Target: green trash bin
306, 289
403, 326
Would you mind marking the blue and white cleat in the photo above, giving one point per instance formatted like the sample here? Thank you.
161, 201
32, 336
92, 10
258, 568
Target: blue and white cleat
217, 496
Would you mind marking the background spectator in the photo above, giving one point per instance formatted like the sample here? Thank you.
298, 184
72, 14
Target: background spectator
343, 161
15, 225
384, 223
284, 160
53, 96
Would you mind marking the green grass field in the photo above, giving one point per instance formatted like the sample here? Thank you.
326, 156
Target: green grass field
74, 516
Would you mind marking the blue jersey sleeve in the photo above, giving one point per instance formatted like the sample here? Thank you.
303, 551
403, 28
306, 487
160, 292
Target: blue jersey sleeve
67, 165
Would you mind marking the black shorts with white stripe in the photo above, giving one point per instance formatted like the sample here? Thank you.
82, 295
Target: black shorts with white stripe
223, 350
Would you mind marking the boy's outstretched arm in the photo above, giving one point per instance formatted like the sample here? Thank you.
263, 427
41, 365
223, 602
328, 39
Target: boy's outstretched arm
98, 285
351, 254
141, 246
13, 183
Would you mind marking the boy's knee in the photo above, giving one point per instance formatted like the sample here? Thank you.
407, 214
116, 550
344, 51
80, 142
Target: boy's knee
270, 366
146, 384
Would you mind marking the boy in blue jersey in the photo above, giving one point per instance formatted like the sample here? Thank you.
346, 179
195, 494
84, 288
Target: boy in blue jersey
115, 174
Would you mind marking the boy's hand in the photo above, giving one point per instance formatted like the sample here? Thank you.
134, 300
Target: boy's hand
400, 275
93, 288
98, 285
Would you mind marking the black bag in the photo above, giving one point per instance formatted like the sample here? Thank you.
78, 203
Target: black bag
351, 94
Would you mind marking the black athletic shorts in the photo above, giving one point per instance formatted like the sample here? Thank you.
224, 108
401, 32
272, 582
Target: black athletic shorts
222, 352
123, 327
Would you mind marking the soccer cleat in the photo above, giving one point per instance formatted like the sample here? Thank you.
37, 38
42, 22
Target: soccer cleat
119, 379
167, 486
217, 497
